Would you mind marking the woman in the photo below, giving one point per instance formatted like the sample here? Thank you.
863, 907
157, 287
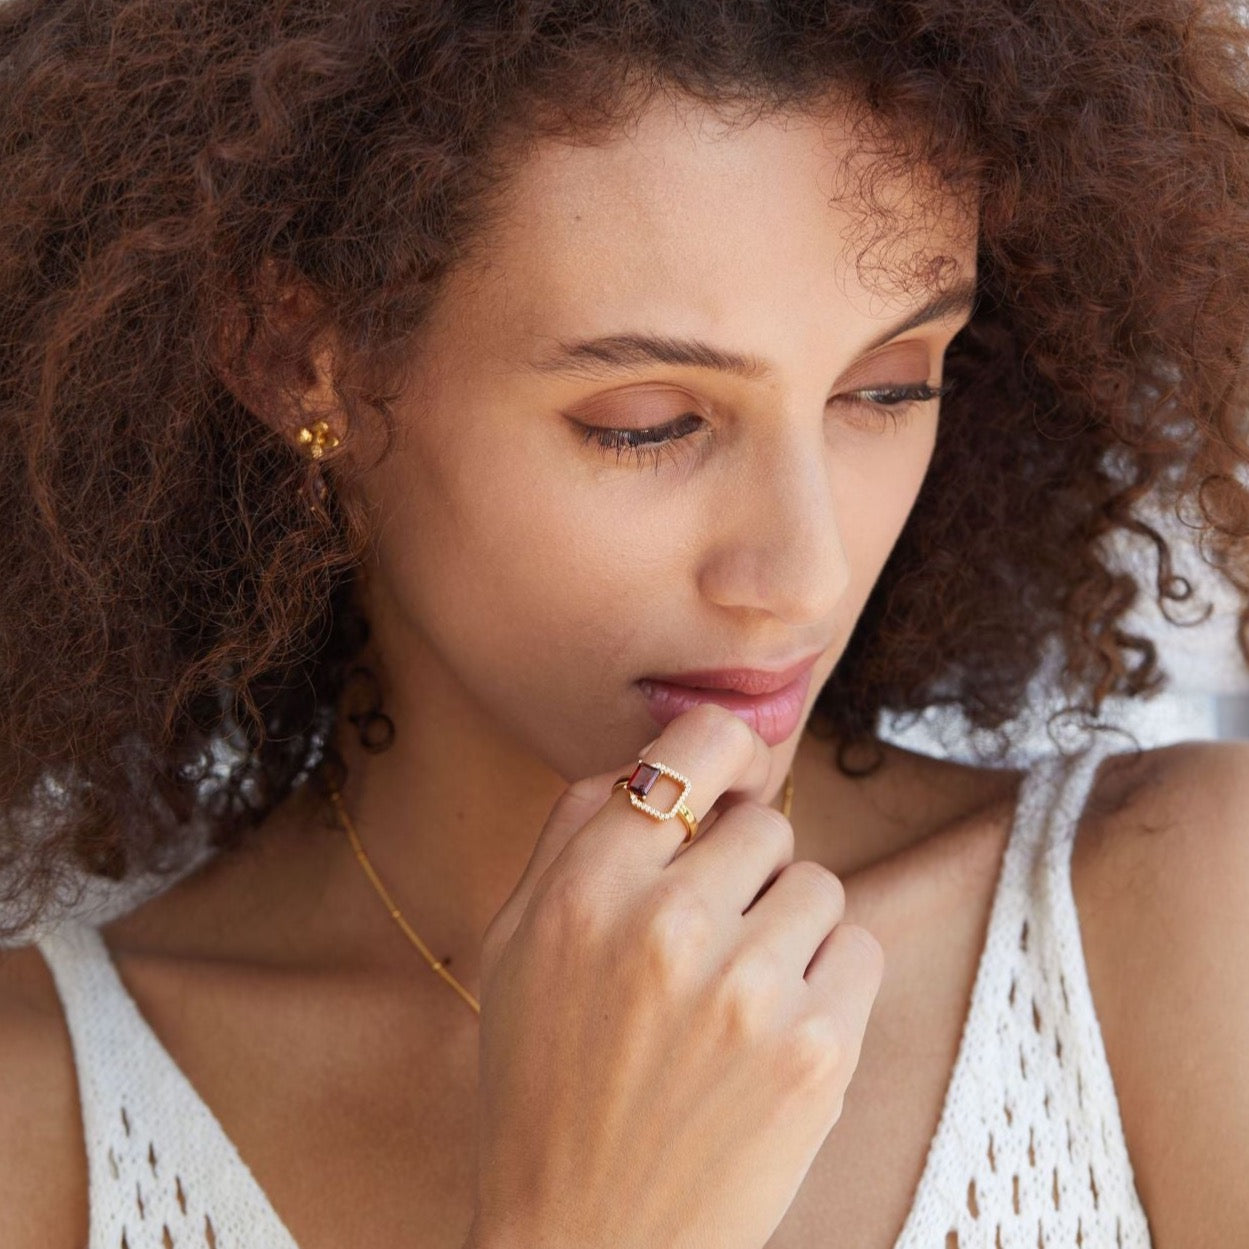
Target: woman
454, 453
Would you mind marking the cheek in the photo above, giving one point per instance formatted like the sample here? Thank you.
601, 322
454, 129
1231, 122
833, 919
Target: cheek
493, 530
876, 491
478, 545
518, 588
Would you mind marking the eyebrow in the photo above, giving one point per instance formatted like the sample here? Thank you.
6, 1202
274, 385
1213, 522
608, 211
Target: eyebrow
593, 357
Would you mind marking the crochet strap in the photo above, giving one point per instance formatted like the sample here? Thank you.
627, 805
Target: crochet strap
161, 1170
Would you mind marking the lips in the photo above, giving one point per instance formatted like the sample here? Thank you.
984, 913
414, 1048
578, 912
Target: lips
774, 713
743, 680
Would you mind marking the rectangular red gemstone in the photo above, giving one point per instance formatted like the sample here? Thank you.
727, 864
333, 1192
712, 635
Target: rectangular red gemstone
643, 779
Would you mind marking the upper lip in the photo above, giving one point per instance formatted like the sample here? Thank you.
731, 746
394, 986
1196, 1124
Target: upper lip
743, 680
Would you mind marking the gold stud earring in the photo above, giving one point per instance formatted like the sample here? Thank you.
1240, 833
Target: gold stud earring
318, 438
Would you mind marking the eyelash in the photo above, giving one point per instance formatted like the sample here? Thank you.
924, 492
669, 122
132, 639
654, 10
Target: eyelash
654, 443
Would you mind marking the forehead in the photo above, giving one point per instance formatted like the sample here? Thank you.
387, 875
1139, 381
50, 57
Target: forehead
685, 215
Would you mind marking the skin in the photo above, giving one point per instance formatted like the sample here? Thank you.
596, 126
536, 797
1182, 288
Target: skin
513, 614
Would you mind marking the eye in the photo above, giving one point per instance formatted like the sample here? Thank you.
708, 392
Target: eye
884, 404
643, 444
894, 405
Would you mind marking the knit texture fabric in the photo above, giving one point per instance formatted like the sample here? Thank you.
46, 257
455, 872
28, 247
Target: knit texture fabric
161, 1172
1028, 1153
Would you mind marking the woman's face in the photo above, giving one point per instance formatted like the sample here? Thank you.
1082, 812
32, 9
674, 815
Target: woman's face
526, 577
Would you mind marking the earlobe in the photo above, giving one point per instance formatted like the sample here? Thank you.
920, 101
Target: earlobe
314, 440
272, 348
317, 438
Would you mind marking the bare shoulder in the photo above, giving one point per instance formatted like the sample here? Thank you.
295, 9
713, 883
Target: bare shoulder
1160, 873
43, 1169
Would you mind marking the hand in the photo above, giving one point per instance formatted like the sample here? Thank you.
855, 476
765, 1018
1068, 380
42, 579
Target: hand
667, 1034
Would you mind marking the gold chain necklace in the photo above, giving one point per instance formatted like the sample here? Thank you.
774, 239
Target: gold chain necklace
397, 915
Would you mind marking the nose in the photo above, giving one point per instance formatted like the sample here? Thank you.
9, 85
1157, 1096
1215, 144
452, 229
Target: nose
776, 539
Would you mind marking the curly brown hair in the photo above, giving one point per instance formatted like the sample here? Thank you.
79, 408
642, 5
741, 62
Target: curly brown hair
178, 627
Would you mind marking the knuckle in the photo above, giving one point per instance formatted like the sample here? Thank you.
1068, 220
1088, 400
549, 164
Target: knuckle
746, 996
567, 909
815, 1048
817, 876
867, 945
677, 931
773, 824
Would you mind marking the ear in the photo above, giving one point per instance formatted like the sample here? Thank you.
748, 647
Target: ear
274, 349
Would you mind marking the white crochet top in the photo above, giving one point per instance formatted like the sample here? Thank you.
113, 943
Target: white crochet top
1028, 1153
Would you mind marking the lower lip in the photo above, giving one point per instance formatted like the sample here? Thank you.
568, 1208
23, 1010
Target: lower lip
773, 716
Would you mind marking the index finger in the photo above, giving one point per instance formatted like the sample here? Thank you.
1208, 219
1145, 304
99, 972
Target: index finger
720, 759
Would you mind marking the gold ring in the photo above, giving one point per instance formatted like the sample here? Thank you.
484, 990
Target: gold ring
639, 783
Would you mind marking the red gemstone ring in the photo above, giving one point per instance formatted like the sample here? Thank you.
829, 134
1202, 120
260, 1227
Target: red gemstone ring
640, 782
